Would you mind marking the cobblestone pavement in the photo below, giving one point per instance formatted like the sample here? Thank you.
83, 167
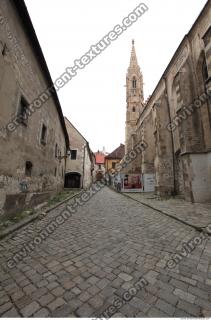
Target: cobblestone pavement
100, 252
196, 214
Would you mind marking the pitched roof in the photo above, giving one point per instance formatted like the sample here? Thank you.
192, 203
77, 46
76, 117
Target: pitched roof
99, 158
118, 153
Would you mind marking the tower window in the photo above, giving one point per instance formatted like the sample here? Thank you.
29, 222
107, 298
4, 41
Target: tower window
28, 168
134, 83
43, 139
134, 109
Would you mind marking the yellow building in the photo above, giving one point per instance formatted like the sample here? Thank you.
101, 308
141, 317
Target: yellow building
113, 158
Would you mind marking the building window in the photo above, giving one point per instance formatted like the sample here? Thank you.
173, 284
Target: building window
113, 165
56, 150
44, 135
73, 154
28, 168
134, 109
22, 111
205, 70
55, 172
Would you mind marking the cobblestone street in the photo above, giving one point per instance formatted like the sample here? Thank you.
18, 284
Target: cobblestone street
97, 255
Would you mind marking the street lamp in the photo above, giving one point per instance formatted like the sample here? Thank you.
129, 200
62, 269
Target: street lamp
65, 156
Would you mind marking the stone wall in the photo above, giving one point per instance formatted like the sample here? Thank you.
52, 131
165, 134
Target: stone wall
22, 78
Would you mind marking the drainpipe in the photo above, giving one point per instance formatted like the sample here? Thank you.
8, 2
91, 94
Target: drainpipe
172, 138
83, 166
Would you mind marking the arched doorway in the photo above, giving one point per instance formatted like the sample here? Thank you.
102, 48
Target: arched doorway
72, 180
99, 176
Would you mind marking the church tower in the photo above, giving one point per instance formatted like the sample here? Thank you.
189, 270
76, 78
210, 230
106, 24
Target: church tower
134, 98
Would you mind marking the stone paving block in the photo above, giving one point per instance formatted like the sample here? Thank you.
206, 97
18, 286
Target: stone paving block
42, 283
208, 282
181, 314
96, 302
165, 307
46, 299
84, 296
58, 291
168, 297
189, 308
188, 280
23, 302
125, 276
128, 311
102, 283
5, 307
179, 284
198, 292
68, 285
12, 313
93, 280
42, 313
185, 295
29, 289
38, 293
204, 304
63, 311
93, 290
85, 311
4, 299
118, 315
139, 304
156, 313
56, 304
52, 285
30, 309
76, 291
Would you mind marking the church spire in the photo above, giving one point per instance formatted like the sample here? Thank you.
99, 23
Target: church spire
133, 58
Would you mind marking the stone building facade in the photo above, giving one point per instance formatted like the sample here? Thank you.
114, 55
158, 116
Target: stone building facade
79, 164
32, 141
176, 120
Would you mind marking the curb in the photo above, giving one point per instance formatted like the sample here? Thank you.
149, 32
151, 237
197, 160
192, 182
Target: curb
33, 217
199, 229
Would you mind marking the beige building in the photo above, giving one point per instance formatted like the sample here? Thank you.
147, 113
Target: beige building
176, 120
33, 136
79, 164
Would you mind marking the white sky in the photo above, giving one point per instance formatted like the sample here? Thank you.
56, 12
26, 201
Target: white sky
95, 100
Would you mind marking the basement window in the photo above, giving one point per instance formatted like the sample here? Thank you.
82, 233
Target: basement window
28, 168
43, 139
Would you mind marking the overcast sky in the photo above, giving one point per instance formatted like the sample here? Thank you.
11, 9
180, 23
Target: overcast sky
95, 100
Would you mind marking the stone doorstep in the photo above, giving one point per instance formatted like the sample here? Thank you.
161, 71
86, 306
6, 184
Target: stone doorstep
33, 217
